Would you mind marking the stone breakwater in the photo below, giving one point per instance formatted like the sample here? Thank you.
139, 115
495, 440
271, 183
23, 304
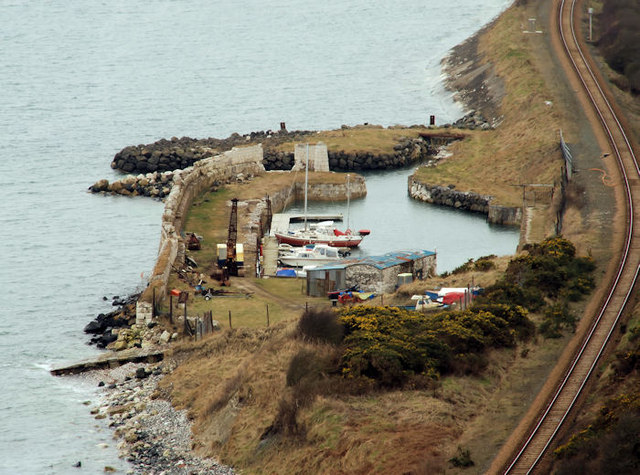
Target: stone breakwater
180, 153
464, 200
175, 154
154, 185
405, 153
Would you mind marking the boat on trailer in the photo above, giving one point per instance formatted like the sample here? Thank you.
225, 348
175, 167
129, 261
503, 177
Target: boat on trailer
309, 255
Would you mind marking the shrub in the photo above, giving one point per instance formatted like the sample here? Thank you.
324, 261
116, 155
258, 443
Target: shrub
462, 458
557, 317
391, 345
510, 294
320, 325
484, 264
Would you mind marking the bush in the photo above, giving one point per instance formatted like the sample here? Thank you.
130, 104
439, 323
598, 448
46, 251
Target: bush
462, 459
557, 317
320, 325
509, 293
484, 264
391, 345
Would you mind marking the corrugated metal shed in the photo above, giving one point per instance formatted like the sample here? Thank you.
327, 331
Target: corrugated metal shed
385, 261
373, 273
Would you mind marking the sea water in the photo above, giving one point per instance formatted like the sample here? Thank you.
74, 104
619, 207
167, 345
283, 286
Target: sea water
81, 80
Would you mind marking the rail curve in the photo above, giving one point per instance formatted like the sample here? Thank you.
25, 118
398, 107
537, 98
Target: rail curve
621, 287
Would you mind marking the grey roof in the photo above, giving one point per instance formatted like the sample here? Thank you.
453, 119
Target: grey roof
385, 261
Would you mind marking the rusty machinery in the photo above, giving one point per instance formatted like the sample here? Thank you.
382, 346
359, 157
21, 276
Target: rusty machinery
229, 266
232, 263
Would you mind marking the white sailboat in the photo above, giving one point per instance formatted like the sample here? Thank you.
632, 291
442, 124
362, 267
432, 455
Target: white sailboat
324, 232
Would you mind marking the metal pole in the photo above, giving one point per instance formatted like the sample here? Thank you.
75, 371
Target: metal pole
306, 185
348, 199
590, 24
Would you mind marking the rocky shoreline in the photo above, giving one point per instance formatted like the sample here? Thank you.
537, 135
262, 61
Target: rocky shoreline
152, 436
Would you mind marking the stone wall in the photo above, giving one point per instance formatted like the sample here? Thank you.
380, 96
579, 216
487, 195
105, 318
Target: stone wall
380, 281
315, 155
187, 184
464, 200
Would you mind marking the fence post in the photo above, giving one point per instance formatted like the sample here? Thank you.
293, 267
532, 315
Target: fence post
230, 327
186, 323
267, 315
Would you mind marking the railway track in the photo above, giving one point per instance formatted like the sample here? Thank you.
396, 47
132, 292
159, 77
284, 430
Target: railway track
617, 297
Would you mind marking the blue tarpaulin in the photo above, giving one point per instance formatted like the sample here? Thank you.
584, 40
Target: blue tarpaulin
286, 273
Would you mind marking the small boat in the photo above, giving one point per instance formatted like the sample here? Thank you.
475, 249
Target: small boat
322, 233
312, 254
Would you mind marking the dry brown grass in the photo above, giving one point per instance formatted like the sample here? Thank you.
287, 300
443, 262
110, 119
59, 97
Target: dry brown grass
524, 149
234, 383
374, 139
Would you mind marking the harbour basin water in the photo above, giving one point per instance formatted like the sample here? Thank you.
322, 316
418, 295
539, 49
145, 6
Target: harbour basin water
398, 222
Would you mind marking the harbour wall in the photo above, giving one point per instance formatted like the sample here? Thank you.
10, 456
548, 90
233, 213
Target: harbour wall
464, 200
187, 184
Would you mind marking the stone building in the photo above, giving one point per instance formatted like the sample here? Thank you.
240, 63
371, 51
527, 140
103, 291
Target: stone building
377, 274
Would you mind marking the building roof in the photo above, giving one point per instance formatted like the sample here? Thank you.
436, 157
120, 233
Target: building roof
385, 261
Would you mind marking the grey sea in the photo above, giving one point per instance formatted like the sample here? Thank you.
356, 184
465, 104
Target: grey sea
81, 80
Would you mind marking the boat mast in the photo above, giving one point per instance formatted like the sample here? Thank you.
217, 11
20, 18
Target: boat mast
348, 199
306, 184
